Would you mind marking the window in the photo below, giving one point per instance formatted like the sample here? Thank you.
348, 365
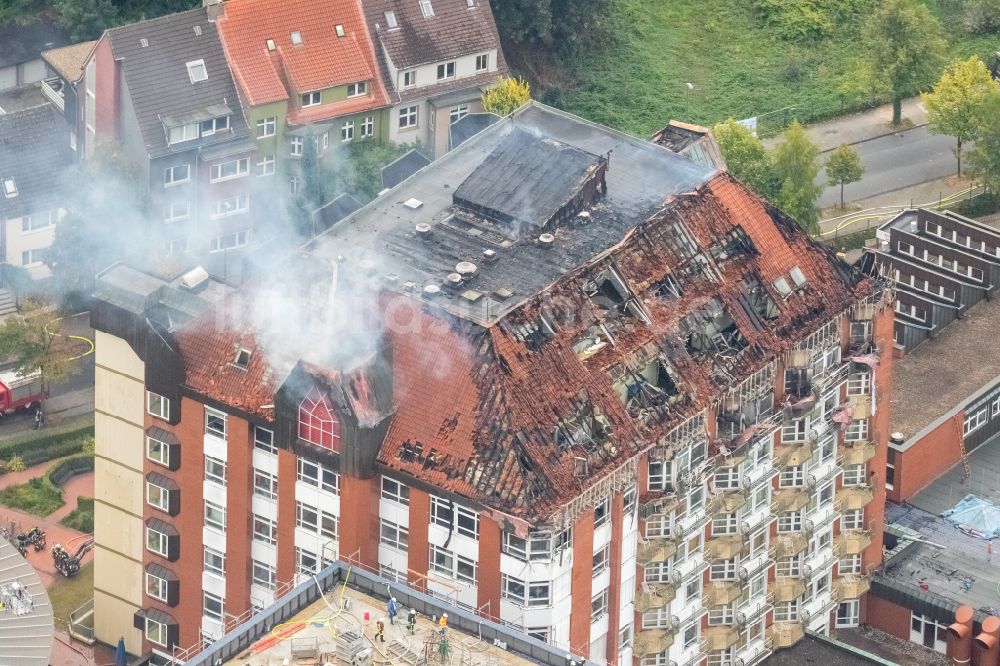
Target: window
294, 184
789, 567
602, 512
446, 70
890, 468
215, 516
263, 440
690, 635
629, 501
995, 407
263, 575
395, 491
532, 595
157, 451
368, 127
32, 257
726, 524
721, 615
855, 475
311, 99
447, 514
215, 423
176, 211
265, 165
795, 431
175, 246
297, 143
156, 632
693, 590
179, 173
390, 20
324, 478
357, 89
790, 521
212, 607
727, 478
458, 112
723, 570
848, 614
231, 169
408, 117
157, 405
196, 71
599, 606
265, 484
9, 188
305, 562
857, 430
347, 131
853, 519
792, 477
851, 564
157, 542
157, 496
539, 633
394, 536
927, 632
602, 559
156, 587
659, 475
317, 423
655, 618
183, 133
215, 561
452, 565
266, 127
786, 611
225, 207
210, 127
265, 529
426, 9
306, 517
38, 221
975, 421
482, 62
658, 525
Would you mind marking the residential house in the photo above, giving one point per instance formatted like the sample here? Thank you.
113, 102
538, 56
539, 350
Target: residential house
437, 57
34, 158
65, 87
163, 91
633, 413
21, 46
307, 73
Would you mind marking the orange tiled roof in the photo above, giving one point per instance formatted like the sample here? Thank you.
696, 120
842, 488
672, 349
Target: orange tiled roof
321, 60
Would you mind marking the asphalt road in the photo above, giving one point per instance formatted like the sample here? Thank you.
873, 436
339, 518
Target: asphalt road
895, 161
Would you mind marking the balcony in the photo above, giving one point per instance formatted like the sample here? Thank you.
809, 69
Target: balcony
722, 592
727, 501
52, 88
788, 545
857, 453
720, 637
658, 507
654, 595
786, 634
850, 587
651, 641
853, 542
792, 454
724, 547
789, 499
861, 406
854, 497
787, 589
832, 378
655, 550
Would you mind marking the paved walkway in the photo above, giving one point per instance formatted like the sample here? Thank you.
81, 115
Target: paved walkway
863, 126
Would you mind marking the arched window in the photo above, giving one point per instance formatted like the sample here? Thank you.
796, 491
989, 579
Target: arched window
317, 423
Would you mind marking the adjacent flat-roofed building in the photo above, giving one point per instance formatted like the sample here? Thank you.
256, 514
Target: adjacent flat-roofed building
636, 413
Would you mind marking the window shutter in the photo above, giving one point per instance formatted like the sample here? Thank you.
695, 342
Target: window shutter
173, 547
174, 457
173, 592
174, 502
172, 635
139, 621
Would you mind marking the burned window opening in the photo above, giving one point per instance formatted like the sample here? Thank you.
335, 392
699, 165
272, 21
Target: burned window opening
668, 287
648, 391
680, 241
755, 295
594, 340
613, 298
737, 419
588, 428
735, 244
712, 330
534, 334
798, 383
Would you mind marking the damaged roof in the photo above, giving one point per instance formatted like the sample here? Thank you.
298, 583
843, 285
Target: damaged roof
522, 410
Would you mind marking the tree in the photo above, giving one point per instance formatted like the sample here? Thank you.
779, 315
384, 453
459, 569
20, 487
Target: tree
85, 19
904, 48
746, 157
506, 96
984, 158
561, 23
794, 164
843, 166
19, 11
953, 105
29, 347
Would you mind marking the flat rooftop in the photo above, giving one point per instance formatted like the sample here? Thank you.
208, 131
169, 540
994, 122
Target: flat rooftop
822, 652
26, 630
964, 571
945, 370
323, 624
23, 97
641, 177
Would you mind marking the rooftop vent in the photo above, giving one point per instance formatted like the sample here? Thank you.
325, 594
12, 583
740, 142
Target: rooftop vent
242, 359
781, 284
453, 281
798, 277
340, 30
466, 269
582, 218
143, 43
197, 30
472, 295
195, 278
270, 45
490, 256
423, 230
413, 204
431, 290
546, 240
296, 37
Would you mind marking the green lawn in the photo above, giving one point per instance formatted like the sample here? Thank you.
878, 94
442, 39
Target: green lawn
82, 517
68, 594
637, 79
38, 496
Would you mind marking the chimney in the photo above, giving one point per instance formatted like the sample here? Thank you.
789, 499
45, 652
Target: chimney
987, 644
959, 650
213, 7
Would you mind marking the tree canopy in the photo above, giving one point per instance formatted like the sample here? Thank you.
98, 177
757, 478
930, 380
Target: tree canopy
953, 106
904, 47
843, 166
746, 158
984, 158
794, 163
552, 22
29, 347
506, 95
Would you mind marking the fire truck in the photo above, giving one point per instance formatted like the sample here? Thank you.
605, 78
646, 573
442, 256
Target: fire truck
21, 391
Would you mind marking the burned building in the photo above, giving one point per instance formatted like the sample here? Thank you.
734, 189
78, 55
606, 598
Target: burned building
562, 378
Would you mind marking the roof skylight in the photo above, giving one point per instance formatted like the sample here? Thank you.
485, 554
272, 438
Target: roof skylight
426, 9
390, 20
196, 71
270, 45
340, 30
9, 188
296, 37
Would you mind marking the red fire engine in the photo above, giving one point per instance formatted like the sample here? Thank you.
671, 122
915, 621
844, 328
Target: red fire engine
20, 391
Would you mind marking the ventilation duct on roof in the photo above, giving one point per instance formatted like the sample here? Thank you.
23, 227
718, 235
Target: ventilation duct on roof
546, 240
423, 230
466, 269
490, 256
195, 279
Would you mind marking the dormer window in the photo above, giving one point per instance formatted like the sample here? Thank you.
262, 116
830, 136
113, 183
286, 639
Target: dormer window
357, 89
242, 359
339, 29
446, 70
296, 38
270, 45
196, 71
311, 99
426, 9
9, 188
183, 133
390, 20
318, 424
210, 127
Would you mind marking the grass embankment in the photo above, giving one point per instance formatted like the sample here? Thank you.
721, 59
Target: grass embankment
68, 594
635, 78
81, 518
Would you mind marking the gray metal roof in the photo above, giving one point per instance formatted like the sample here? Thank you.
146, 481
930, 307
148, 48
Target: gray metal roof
640, 177
25, 640
157, 78
34, 151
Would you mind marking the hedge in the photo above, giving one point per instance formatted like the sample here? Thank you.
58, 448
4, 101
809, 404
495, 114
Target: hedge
41, 446
69, 467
